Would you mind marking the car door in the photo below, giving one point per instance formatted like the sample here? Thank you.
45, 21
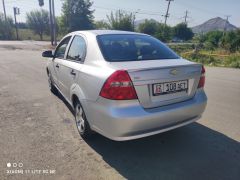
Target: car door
59, 56
71, 66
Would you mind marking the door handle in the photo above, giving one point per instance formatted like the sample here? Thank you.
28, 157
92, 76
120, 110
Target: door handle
73, 73
57, 66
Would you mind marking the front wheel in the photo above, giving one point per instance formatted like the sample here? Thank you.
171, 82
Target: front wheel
81, 122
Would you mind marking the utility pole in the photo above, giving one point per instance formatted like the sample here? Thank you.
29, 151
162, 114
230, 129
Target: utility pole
185, 17
227, 17
54, 24
16, 11
225, 26
4, 10
51, 21
5, 17
134, 18
167, 14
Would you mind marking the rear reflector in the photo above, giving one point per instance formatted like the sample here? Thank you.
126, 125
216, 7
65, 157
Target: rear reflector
202, 78
201, 82
118, 87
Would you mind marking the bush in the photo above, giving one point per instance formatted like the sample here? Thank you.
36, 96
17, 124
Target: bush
6, 28
148, 27
229, 61
121, 20
233, 61
229, 41
181, 31
164, 32
101, 25
182, 48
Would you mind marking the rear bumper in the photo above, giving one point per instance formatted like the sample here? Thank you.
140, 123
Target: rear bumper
126, 120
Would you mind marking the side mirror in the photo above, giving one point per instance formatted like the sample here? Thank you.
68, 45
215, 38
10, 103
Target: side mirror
48, 54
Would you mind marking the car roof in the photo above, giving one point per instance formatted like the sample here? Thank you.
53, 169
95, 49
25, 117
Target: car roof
103, 32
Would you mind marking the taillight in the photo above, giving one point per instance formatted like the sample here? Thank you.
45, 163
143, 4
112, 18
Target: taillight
118, 87
202, 78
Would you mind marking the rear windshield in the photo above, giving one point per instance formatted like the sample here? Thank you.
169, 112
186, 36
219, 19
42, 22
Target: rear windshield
132, 47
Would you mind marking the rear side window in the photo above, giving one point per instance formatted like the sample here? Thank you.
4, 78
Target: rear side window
77, 49
131, 47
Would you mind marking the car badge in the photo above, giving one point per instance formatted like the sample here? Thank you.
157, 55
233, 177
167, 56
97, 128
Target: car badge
174, 71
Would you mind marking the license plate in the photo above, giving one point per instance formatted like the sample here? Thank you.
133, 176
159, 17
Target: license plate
170, 87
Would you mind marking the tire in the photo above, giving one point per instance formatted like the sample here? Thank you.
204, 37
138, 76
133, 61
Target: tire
52, 88
81, 121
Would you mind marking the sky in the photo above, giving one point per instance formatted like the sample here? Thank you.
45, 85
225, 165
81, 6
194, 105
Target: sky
199, 10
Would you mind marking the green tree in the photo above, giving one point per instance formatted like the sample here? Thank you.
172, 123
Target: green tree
76, 15
199, 38
237, 40
38, 21
148, 27
213, 39
121, 20
101, 25
6, 28
164, 32
231, 41
161, 31
182, 32
22, 25
58, 21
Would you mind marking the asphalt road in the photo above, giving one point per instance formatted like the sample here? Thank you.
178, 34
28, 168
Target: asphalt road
37, 131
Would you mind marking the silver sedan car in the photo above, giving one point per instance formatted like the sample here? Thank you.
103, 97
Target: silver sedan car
125, 85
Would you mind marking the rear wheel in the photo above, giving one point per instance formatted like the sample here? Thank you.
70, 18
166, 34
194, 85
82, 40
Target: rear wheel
81, 121
52, 88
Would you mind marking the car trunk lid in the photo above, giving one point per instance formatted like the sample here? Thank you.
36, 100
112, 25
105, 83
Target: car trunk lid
146, 75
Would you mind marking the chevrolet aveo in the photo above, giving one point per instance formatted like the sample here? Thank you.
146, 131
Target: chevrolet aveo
125, 85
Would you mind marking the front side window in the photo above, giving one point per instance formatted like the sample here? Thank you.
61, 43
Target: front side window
77, 49
60, 51
132, 47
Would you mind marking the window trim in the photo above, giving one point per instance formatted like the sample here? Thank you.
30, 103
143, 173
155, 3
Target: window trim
70, 37
85, 50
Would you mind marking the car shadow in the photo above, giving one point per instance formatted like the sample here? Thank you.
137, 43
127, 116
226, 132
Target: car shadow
191, 152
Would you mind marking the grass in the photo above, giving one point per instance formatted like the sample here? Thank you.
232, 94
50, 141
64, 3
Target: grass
232, 60
218, 57
27, 34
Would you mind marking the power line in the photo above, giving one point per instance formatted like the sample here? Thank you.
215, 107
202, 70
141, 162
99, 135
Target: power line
143, 11
127, 10
140, 11
183, 4
167, 14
